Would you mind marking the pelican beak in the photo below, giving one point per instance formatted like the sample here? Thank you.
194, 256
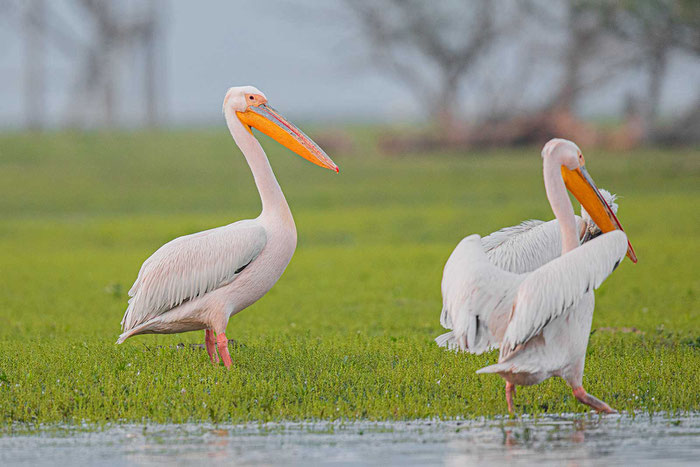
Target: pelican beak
266, 119
584, 189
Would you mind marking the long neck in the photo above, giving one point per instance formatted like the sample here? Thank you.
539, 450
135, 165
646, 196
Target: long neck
561, 204
273, 201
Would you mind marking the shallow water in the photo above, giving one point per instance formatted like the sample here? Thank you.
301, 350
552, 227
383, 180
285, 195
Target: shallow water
573, 440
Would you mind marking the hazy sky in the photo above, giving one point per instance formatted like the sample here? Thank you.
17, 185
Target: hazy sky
305, 55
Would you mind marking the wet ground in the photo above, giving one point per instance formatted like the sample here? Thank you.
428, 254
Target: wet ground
574, 440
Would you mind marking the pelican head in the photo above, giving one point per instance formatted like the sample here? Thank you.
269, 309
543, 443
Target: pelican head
249, 104
579, 182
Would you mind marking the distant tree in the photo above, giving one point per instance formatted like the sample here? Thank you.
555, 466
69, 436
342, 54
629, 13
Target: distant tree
116, 34
105, 34
657, 28
34, 25
433, 48
581, 26
428, 46
586, 54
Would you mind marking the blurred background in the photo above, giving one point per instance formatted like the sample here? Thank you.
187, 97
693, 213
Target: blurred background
112, 143
469, 73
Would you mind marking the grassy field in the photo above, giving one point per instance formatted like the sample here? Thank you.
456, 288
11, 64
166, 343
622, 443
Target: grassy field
348, 331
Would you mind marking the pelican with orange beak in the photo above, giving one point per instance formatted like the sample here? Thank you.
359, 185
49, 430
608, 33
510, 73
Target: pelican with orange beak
200, 280
539, 319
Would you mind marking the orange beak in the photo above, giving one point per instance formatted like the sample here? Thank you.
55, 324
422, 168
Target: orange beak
584, 189
266, 119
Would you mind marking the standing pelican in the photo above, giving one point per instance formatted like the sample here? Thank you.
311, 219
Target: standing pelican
200, 280
540, 320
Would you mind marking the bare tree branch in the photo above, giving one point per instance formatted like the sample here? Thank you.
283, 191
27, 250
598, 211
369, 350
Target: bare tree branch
429, 47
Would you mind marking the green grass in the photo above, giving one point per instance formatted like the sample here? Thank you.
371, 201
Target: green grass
347, 332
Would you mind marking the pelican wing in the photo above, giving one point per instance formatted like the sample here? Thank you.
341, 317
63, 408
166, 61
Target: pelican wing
554, 288
526, 246
190, 266
477, 299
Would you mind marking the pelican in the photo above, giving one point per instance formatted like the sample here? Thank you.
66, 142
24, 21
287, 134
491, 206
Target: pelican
527, 246
541, 319
199, 281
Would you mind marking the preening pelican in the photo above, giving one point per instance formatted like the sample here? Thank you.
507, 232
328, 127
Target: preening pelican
199, 281
541, 320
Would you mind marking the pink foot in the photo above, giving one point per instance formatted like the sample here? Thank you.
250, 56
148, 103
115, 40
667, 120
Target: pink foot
510, 392
222, 344
592, 401
210, 340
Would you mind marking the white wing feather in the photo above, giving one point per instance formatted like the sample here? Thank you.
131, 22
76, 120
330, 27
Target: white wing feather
526, 246
190, 266
552, 289
477, 299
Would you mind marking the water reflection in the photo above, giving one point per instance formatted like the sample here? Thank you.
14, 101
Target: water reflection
576, 440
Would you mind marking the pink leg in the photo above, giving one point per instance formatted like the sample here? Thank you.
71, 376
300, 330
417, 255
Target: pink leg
592, 401
222, 344
210, 340
510, 392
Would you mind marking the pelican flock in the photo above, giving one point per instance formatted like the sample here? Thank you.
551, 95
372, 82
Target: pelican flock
514, 292
199, 281
527, 289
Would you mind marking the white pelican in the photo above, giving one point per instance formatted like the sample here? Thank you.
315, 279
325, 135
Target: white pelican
199, 281
541, 320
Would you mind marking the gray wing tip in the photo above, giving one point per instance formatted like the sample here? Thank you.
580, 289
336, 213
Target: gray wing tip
446, 340
490, 369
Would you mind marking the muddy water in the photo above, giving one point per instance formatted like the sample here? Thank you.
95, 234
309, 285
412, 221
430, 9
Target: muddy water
574, 440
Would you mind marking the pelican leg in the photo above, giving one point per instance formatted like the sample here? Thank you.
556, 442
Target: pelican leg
592, 401
210, 340
222, 344
510, 392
